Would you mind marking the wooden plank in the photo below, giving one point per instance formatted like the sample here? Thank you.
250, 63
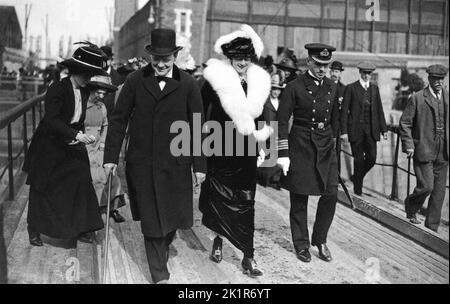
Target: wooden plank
427, 239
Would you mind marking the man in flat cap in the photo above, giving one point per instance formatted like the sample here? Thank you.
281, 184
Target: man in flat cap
362, 122
307, 154
424, 134
159, 181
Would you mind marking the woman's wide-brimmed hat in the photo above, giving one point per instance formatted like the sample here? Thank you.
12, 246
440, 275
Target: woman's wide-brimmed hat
287, 64
243, 42
85, 59
162, 42
276, 82
101, 82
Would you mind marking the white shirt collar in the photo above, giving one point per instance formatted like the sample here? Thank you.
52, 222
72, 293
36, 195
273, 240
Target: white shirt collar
432, 92
168, 75
365, 84
317, 81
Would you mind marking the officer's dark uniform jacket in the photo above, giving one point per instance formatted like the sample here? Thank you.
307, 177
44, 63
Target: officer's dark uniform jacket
310, 143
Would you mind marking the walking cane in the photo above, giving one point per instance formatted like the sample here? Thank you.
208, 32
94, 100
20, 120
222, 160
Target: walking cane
408, 179
105, 258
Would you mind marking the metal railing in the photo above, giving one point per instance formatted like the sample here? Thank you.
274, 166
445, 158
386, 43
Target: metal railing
8, 119
395, 165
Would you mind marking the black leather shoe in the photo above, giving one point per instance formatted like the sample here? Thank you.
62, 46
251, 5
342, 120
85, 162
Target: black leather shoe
86, 238
304, 255
117, 217
250, 269
413, 219
216, 252
324, 252
35, 239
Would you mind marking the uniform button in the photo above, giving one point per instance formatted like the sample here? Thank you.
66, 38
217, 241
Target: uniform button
328, 110
329, 101
329, 93
313, 119
312, 129
314, 101
326, 119
310, 92
314, 110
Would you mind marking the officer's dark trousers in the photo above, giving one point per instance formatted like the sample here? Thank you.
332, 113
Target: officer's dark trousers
364, 153
431, 179
157, 250
299, 219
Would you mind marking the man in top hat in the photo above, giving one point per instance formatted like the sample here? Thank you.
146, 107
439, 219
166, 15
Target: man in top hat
307, 154
424, 133
362, 122
159, 182
116, 78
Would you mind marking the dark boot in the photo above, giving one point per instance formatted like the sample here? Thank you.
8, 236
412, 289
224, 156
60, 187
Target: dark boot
35, 239
216, 252
249, 266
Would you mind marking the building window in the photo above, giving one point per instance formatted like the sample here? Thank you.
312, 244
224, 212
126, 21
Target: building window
183, 22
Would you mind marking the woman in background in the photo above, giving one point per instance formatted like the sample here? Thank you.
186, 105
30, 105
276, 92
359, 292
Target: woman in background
96, 125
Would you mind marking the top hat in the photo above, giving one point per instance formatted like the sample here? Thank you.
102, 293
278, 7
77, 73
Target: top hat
108, 51
437, 70
337, 65
86, 59
319, 52
162, 43
101, 82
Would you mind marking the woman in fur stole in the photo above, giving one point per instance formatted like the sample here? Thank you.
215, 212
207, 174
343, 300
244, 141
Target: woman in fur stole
234, 93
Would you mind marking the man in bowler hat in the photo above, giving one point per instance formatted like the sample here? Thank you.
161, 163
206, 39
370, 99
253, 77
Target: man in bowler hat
159, 183
362, 122
307, 153
424, 133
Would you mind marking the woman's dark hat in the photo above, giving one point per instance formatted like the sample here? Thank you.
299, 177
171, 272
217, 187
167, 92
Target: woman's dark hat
108, 51
101, 82
244, 42
287, 64
162, 43
86, 59
337, 65
239, 47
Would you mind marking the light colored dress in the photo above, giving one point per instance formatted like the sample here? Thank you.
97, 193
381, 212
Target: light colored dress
96, 124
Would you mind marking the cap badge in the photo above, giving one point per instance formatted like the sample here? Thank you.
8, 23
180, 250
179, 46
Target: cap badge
325, 53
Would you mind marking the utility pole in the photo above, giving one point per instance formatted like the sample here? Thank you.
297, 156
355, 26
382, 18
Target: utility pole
47, 42
27, 17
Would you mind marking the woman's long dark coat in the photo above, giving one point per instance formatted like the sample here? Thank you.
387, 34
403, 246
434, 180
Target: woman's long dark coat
159, 183
62, 202
227, 196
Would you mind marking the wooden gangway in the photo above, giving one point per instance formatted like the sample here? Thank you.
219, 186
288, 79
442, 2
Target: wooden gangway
364, 251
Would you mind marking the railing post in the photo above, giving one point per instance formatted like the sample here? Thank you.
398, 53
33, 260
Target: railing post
394, 191
33, 117
40, 110
10, 164
25, 137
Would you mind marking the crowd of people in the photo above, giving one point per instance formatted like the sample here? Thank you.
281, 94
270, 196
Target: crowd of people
91, 109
